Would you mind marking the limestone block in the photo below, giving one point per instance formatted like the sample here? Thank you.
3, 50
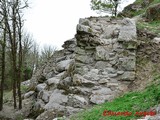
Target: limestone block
79, 80
61, 66
127, 76
77, 101
127, 30
41, 87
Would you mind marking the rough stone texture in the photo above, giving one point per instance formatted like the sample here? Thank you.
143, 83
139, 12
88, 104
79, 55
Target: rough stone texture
52, 81
77, 101
101, 95
63, 65
93, 68
127, 31
41, 87
44, 95
28, 94
156, 40
57, 99
79, 80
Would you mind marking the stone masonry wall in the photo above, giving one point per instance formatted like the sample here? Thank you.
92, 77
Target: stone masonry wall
94, 67
105, 60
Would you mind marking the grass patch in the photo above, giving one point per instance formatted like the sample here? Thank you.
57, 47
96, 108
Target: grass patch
24, 89
153, 26
131, 102
7, 96
142, 9
155, 2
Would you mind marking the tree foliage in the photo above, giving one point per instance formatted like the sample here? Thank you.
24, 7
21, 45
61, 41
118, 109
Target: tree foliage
19, 53
12, 22
109, 6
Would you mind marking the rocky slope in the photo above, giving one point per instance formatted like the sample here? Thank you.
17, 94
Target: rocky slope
108, 57
94, 67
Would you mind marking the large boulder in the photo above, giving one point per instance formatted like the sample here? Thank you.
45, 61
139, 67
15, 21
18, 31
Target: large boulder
63, 65
101, 95
80, 80
127, 30
57, 100
77, 101
44, 95
53, 81
65, 83
41, 87
28, 94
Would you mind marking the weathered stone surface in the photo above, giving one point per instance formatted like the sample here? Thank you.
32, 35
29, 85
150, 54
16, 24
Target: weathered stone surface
127, 63
77, 101
99, 99
102, 65
60, 75
38, 106
56, 100
102, 91
101, 95
84, 29
65, 83
123, 87
50, 75
41, 87
109, 84
47, 115
111, 32
113, 75
80, 51
102, 52
70, 45
80, 80
82, 90
103, 81
127, 76
60, 59
156, 40
44, 95
85, 22
110, 70
127, 30
120, 72
92, 75
72, 110
28, 94
93, 67
53, 81
81, 70
63, 65
84, 59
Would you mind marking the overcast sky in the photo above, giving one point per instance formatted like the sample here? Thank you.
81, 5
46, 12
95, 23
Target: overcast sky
51, 22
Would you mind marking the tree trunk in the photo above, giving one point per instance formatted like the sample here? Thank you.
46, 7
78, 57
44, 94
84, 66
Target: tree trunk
115, 11
3, 68
14, 52
20, 61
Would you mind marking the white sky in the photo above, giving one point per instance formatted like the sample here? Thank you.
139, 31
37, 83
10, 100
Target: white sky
51, 22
